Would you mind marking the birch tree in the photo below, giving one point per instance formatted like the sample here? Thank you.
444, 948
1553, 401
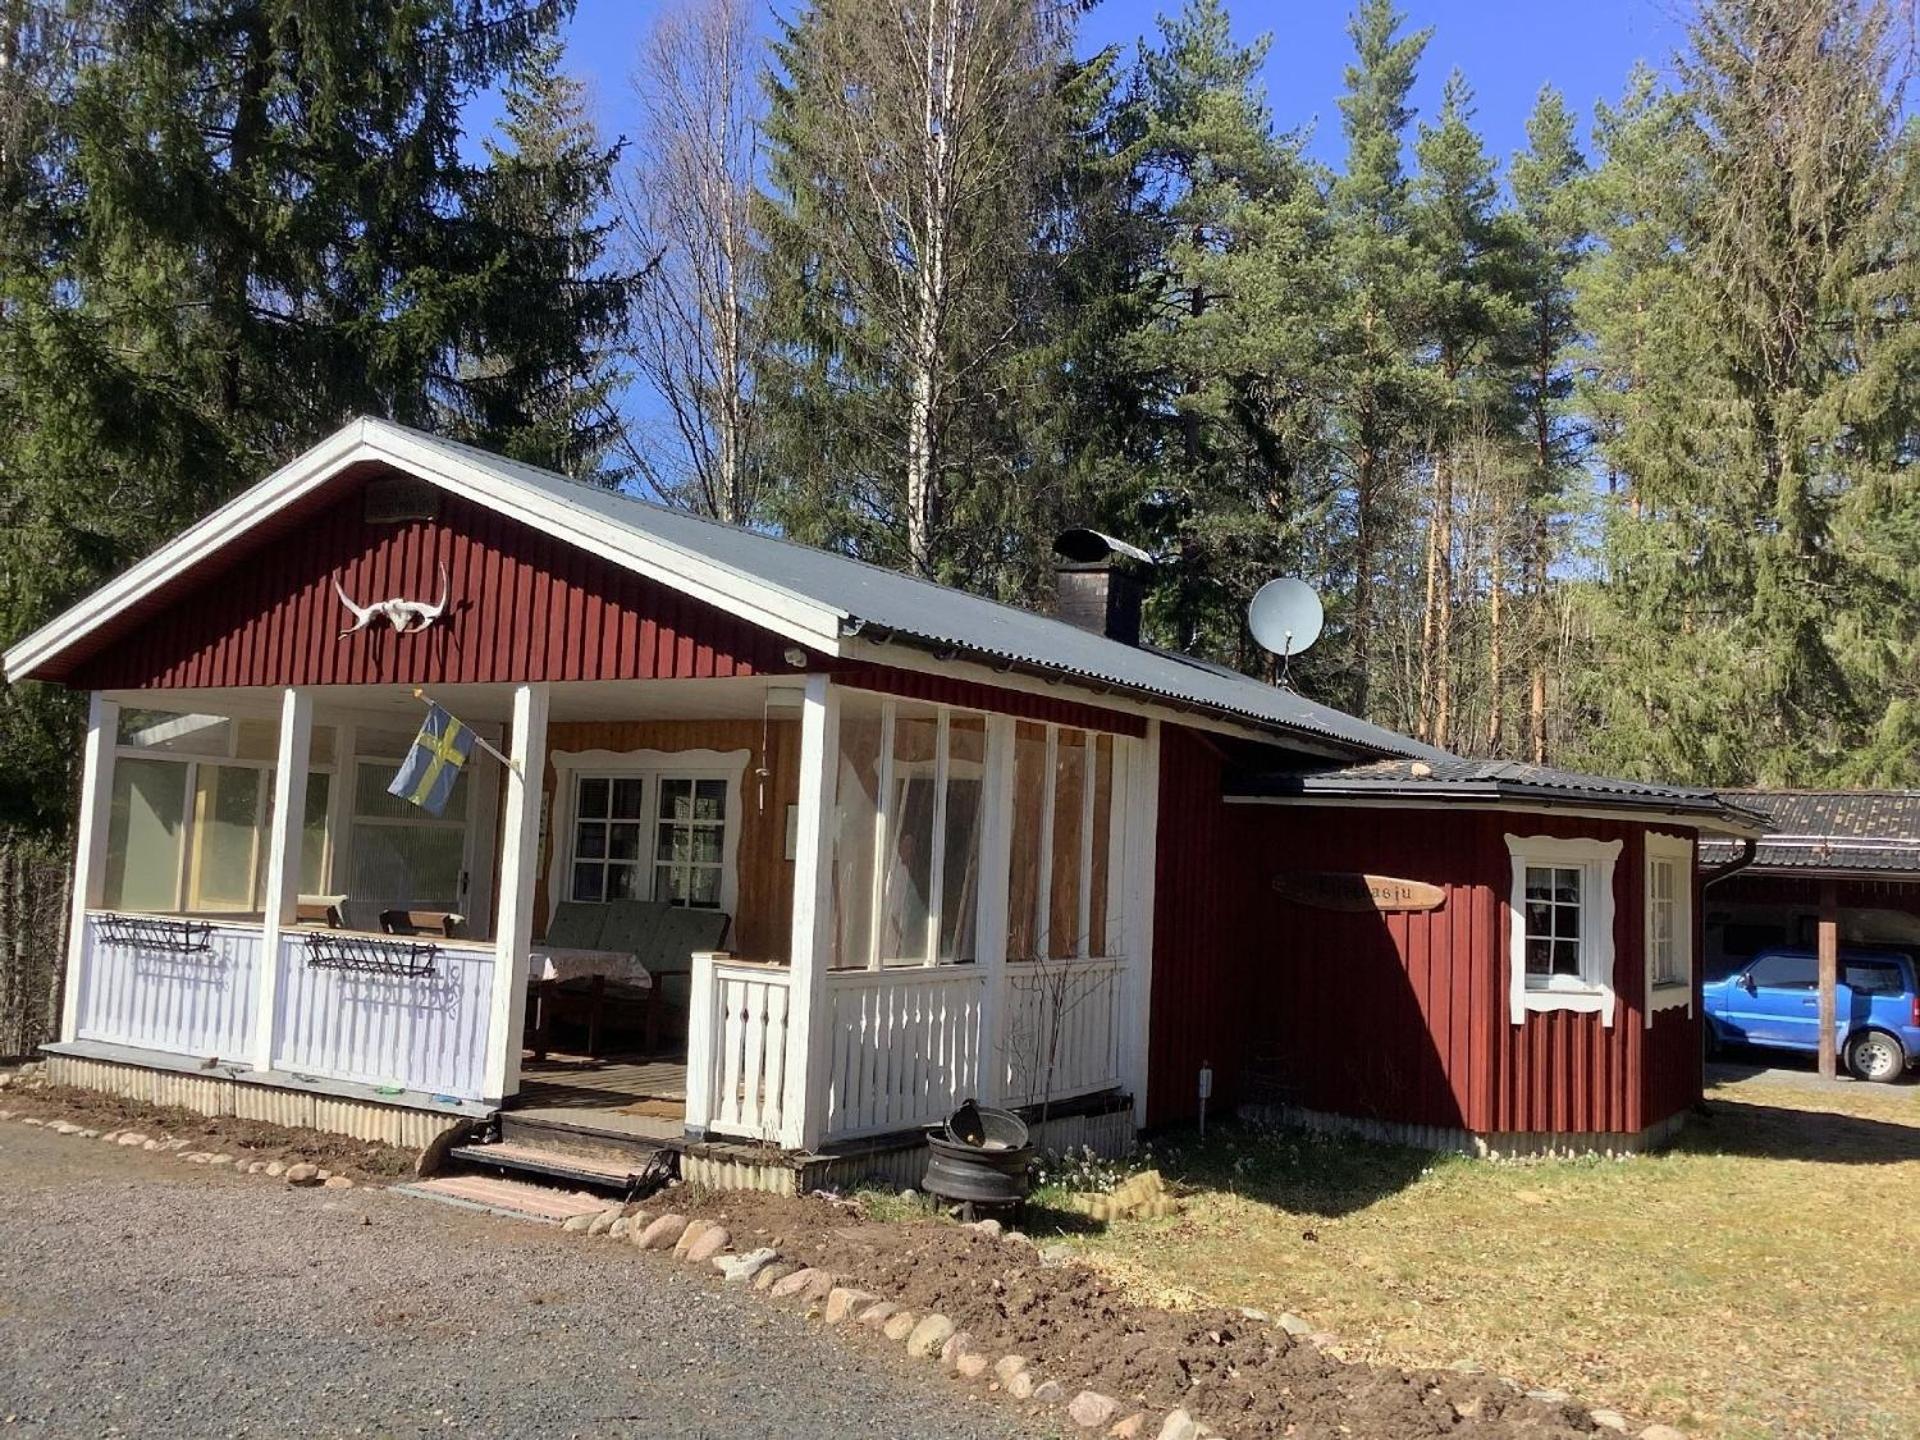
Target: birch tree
697, 326
910, 143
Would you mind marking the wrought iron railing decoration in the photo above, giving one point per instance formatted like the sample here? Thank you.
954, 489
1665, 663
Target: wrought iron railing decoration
366, 955
155, 934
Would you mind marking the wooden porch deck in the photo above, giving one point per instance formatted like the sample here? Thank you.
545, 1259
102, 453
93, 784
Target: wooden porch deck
627, 1096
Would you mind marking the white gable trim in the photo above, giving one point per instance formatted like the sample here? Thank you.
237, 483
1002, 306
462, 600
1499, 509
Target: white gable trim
736, 593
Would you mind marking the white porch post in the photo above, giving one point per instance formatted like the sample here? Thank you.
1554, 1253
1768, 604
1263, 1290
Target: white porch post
1142, 848
809, 1046
519, 858
90, 850
994, 924
283, 861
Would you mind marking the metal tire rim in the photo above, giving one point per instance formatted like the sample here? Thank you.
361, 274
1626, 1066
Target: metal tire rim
1877, 1053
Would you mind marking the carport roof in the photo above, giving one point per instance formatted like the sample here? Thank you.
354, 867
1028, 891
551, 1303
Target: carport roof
1832, 832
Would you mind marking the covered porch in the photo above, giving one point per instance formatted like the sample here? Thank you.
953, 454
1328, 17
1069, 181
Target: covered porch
899, 902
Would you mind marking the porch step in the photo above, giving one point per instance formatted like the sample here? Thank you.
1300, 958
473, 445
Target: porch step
620, 1172
500, 1196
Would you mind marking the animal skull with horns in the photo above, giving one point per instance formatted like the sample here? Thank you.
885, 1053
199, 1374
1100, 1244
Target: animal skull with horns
406, 616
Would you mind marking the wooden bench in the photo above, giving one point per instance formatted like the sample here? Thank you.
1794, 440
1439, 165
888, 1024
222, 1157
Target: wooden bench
660, 939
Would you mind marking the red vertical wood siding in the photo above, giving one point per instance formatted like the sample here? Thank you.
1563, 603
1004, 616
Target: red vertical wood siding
522, 606
1402, 1016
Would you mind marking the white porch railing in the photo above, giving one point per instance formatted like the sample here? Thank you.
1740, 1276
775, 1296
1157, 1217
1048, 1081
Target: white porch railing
906, 1046
425, 1032
1064, 1020
737, 1047
199, 1001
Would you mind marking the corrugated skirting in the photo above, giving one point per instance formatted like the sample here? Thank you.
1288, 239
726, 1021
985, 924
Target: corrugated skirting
1531, 1145
251, 1100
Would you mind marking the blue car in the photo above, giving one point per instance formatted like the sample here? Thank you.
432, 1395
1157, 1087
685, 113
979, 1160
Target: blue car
1774, 1001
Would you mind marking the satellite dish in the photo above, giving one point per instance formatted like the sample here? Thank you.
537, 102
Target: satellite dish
1285, 617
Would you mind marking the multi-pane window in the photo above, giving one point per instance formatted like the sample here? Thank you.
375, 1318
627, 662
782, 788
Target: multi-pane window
649, 836
191, 806
1553, 921
1663, 938
1062, 843
1561, 921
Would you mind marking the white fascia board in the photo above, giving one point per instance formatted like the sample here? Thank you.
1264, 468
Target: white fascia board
1077, 690
731, 591
1643, 815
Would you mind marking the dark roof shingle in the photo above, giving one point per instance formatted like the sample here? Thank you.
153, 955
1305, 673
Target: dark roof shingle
1876, 831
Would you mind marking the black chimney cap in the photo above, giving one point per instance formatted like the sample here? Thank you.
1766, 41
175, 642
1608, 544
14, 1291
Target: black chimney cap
1082, 546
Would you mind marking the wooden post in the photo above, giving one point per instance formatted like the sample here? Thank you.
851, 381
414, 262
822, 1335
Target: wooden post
809, 1045
1142, 860
89, 851
994, 923
283, 862
519, 858
1829, 973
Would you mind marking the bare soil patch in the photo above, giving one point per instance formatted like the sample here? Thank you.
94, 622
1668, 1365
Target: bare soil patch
245, 1140
1247, 1377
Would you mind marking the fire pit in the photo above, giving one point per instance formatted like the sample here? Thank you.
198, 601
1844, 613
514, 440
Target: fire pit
979, 1160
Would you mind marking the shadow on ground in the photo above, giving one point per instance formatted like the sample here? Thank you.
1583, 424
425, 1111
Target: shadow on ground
1776, 1132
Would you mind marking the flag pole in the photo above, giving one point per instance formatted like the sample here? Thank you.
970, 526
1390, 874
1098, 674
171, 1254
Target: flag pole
478, 739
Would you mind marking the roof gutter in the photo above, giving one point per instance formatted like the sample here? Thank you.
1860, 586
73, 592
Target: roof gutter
1495, 794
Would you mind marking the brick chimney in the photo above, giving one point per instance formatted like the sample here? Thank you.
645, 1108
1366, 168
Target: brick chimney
1099, 582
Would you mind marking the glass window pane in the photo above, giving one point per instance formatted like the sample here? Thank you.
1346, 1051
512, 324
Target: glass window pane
590, 840
593, 797
1538, 955
623, 841
1539, 883
144, 832
1102, 842
226, 838
313, 836
1029, 799
710, 800
907, 880
623, 882
319, 748
1566, 886
1566, 922
676, 799
627, 798
411, 867
960, 843
704, 887
170, 733
1566, 957
1539, 918
589, 882
856, 803
705, 844
1069, 792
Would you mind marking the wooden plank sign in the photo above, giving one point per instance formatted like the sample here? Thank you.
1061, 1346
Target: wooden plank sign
1350, 891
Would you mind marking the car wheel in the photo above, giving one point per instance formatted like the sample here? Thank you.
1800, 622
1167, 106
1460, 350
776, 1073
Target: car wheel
1875, 1055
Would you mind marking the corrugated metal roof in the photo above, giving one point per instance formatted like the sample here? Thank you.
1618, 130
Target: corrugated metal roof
1453, 778
884, 603
1832, 831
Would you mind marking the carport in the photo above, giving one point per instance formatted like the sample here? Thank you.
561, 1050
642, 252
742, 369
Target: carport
1837, 867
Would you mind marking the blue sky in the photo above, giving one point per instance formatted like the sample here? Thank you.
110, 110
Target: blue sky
1507, 48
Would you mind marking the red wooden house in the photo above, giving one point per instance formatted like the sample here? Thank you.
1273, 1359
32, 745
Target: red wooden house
953, 849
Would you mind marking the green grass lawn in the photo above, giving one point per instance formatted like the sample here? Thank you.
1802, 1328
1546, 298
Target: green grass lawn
1761, 1278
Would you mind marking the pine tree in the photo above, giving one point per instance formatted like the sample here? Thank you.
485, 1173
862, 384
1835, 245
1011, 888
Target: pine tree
1374, 380
540, 383
1548, 180
1230, 340
1469, 320
1751, 304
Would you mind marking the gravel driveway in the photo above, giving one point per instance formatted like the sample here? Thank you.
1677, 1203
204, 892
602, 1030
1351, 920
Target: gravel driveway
139, 1296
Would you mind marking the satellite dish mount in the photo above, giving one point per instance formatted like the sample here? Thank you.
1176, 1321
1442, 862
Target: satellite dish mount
1285, 617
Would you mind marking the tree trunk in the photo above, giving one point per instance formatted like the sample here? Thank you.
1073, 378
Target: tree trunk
1537, 687
1496, 616
1440, 593
1363, 543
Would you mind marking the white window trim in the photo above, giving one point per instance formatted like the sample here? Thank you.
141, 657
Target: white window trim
1677, 850
1596, 993
650, 766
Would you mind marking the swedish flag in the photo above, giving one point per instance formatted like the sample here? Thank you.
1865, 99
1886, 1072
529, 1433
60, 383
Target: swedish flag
432, 766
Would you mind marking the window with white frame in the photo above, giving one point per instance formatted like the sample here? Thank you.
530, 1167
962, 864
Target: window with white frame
1561, 925
1063, 815
653, 832
1669, 902
191, 810
401, 856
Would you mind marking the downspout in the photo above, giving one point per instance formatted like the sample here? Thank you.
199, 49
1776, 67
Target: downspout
1749, 847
